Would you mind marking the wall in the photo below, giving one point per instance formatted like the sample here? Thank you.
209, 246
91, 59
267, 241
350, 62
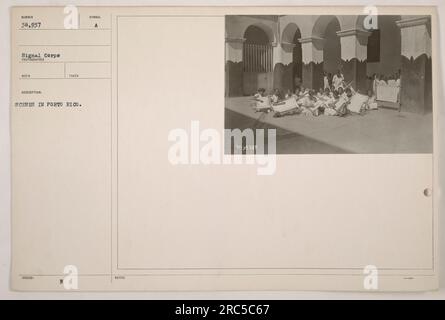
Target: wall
389, 47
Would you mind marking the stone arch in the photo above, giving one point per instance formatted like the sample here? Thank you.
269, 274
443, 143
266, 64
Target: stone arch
289, 31
321, 25
326, 28
257, 27
256, 35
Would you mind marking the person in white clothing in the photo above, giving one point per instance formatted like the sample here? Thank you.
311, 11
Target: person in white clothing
338, 80
326, 81
276, 97
260, 93
375, 80
371, 104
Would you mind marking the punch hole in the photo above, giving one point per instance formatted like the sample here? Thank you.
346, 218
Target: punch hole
427, 192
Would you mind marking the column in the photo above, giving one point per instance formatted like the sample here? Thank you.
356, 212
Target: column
416, 73
234, 67
354, 49
283, 67
312, 49
288, 64
278, 68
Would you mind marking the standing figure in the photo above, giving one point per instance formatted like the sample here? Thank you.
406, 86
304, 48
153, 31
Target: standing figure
338, 80
326, 80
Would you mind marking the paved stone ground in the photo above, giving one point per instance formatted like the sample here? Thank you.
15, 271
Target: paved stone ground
377, 131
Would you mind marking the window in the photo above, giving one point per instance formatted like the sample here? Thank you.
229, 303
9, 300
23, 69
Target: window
257, 57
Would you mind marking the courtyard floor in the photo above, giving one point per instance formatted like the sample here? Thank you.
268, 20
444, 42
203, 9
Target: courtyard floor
378, 131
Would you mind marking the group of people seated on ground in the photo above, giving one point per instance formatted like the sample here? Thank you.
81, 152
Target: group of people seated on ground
327, 101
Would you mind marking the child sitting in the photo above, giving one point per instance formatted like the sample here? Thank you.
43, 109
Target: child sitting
328, 93
288, 94
309, 106
276, 96
371, 104
337, 106
262, 102
349, 92
260, 93
329, 109
341, 105
341, 92
324, 101
303, 92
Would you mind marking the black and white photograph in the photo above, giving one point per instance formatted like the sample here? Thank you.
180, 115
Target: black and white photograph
331, 83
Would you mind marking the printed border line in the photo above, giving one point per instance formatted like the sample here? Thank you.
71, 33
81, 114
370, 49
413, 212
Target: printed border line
225, 274
111, 148
200, 268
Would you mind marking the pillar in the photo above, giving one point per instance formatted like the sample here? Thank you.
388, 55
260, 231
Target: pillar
283, 66
312, 49
234, 67
354, 49
416, 73
278, 68
288, 63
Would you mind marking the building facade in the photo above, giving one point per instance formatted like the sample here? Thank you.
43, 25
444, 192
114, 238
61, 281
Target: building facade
285, 51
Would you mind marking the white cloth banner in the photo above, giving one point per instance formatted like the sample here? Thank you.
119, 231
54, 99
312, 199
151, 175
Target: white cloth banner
387, 93
287, 105
262, 103
357, 102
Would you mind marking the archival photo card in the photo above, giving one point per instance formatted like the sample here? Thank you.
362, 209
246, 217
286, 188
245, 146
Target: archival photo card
224, 148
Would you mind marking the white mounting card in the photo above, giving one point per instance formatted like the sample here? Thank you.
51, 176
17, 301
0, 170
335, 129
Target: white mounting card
224, 148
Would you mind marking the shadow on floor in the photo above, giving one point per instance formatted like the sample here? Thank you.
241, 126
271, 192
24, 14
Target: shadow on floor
288, 142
